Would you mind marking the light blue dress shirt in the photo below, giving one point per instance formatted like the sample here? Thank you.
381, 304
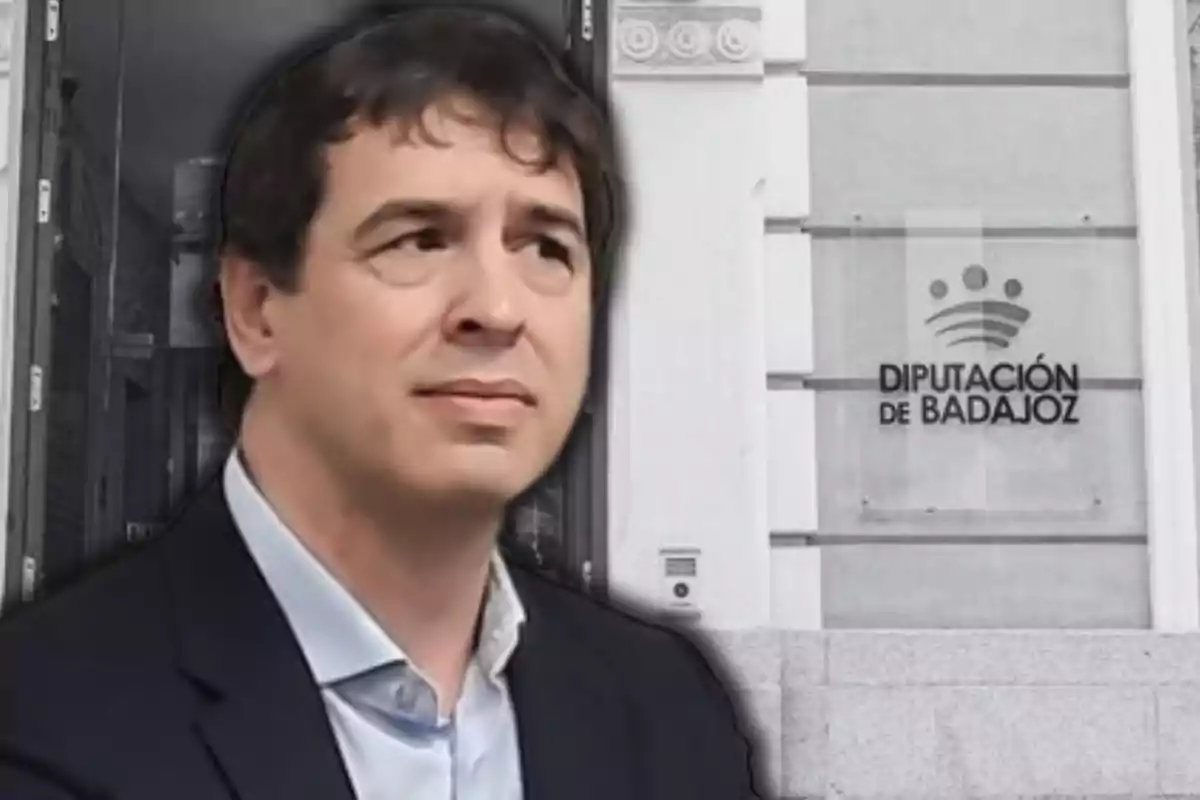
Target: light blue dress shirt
382, 710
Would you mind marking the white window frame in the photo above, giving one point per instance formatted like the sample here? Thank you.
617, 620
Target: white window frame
1170, 302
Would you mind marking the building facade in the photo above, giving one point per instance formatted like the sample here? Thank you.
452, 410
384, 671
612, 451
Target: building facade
902, 378
905, 364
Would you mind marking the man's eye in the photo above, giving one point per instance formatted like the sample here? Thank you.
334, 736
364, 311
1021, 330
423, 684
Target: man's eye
553, 249
424, 240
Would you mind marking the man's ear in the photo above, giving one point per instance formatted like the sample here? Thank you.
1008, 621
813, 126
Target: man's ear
246, 295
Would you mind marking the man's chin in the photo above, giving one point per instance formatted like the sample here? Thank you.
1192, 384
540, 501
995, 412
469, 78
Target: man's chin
464, 475
481, 487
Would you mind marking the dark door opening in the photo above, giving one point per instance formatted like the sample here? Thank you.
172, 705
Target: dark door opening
132, 95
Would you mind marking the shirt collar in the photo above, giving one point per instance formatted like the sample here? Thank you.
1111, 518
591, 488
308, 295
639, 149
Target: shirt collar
338, 636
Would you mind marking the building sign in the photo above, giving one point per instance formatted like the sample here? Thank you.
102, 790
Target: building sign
1036, 393
959, 391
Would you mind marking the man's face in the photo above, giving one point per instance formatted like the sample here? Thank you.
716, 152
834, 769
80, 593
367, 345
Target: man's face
438, 343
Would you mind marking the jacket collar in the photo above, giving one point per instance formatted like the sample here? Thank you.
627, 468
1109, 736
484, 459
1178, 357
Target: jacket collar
575, 726
340, 638
262, 716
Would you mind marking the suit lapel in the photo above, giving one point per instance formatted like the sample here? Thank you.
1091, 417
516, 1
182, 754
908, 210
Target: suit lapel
275, 743
260, 712
574, 729
262, 717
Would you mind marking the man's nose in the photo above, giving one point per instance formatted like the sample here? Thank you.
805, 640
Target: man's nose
489, 307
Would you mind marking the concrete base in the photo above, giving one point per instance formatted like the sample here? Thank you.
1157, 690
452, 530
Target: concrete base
972, 714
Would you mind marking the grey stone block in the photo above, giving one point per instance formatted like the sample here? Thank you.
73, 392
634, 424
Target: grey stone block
987, 742
752, 657
764, 709
805, 733
1174, 658
804, 741
980, 714
804, 658
1179, 739
1013, 658
880, 742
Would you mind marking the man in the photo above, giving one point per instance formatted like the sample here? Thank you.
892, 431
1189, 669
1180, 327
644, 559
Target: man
418, 224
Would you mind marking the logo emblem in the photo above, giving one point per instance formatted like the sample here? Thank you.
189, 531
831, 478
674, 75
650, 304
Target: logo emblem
994, 323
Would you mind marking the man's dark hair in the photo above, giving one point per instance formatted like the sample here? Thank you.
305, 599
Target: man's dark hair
389, 68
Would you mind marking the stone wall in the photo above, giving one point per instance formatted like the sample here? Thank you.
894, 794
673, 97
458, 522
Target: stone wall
973, 715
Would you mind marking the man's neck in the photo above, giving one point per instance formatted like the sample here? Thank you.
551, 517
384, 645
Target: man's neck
421, 574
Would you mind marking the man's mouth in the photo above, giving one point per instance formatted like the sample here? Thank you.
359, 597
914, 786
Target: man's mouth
481, 390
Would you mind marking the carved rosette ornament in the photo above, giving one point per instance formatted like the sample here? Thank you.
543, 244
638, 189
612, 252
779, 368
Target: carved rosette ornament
687, 40
638, 39
737, 40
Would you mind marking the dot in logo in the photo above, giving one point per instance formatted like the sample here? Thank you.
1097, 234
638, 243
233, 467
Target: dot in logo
1013, 288
975, 278
938, 289
638, 39
689, 39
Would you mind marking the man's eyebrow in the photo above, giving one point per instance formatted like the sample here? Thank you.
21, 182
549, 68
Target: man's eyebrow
403, 209
555, 217
543, 214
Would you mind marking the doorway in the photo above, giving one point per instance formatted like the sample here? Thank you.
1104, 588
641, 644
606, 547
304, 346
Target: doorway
132, 96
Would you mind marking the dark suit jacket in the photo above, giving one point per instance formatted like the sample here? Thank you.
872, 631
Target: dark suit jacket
172, 674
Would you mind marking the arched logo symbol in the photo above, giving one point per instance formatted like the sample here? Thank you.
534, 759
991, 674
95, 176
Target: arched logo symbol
991, 322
